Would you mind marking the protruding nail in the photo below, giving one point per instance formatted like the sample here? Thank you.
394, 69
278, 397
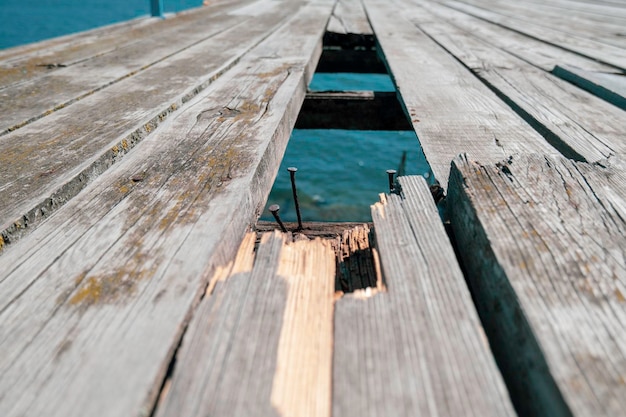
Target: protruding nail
391, 173
274, 210
292, 175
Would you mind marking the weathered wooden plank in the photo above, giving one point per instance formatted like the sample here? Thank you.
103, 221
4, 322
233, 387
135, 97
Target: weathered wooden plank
36, 59
47, 162
608, 54
349, 17
92, 316
542, 240
360, 110
534, 51
30, 100
261, 344
579, 125
605, 29
609, 87
451, 111
418, 348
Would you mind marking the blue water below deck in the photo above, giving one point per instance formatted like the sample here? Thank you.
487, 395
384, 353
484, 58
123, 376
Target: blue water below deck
26, 21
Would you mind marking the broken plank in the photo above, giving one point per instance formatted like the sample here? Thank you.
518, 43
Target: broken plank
542, 240
359, 110
46, 163
114, 276
261, 344
609, 87
579, 125
418, 347
451, 110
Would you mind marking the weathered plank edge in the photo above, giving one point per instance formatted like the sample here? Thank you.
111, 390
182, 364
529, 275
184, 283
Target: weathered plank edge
14, 229
518, 354
580, 78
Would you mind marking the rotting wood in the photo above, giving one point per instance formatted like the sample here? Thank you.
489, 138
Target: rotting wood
542, 240
609, 87
359, 110
451, 111
45, 164
418, 348
112, 278
579, 125
276, 356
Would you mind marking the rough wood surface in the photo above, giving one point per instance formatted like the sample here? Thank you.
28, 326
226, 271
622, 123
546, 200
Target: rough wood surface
579, 125
451, 111
349, 18
608, 54
139, 49
94, 302
261, 344
542, 240
418, 348
47, 162
535, 51
609, 87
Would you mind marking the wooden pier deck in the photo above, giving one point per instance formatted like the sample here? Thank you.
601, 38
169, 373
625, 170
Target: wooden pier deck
136, 159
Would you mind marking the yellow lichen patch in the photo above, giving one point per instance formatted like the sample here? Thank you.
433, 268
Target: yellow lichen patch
618, 294
148, 127
1, 243
124, 189
115, 149
89, 294
125, 144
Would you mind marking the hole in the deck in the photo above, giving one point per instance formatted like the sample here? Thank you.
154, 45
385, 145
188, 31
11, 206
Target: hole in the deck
351, 129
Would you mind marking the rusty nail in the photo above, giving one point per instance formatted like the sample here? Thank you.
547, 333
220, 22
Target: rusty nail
391, 173
274, 210
292, 175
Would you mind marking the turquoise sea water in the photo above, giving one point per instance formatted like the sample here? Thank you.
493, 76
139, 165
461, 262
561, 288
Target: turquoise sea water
26, 21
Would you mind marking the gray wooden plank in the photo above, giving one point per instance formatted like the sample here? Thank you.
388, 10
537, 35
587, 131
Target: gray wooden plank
451, 111
93, 303
32, 99
349, 18
47, 162
534, 51
416, 348
542, 240
30, 61
581, 126
608, 54
261, 344
605, 29
609, 87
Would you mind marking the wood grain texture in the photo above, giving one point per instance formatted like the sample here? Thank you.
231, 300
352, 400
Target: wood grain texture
542, 240
451, 111
262, 343
30, 100
609, 87
579, 125
93, 303
602, 29
349, 18
535, 51
608, 54
417, 349
45, 164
